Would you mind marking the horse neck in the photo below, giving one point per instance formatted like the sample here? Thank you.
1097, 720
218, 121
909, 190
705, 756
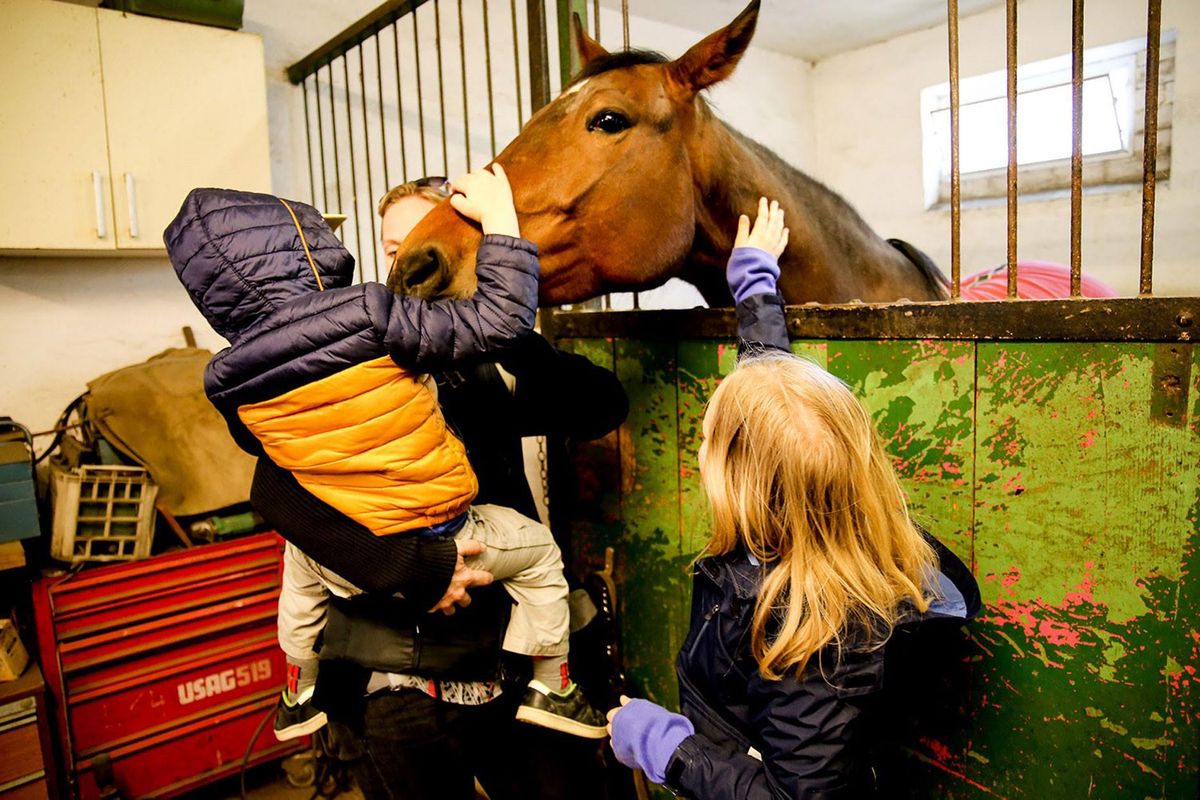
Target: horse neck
833, 256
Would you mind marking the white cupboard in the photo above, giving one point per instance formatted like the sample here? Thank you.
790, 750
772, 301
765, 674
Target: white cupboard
107, 120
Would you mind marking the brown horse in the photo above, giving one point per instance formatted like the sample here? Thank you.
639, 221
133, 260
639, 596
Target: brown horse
628, 178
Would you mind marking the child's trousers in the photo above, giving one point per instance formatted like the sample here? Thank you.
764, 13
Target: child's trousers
520, 553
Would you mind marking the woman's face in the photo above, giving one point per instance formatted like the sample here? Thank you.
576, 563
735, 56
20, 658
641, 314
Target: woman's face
399, 220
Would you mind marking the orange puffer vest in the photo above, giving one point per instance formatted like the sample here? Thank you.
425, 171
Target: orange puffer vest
370, 441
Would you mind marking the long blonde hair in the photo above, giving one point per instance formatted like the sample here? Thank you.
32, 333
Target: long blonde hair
795, 471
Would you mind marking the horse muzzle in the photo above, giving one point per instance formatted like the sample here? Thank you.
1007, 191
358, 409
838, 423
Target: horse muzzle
423, 272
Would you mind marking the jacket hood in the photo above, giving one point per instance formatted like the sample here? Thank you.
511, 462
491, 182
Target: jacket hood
240, 255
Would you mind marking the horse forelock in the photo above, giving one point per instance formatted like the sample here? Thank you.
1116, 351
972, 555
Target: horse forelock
618, 60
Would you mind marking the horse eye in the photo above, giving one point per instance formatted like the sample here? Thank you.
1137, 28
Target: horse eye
609, 122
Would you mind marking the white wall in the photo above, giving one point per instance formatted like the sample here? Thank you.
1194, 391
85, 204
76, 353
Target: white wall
868, 136
67, 321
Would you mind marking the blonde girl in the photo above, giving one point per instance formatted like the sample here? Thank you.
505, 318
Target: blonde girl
814, 566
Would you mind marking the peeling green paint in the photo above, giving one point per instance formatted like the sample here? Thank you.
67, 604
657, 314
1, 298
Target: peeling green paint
1037, 463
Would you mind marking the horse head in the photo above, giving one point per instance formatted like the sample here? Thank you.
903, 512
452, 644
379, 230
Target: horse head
603, 176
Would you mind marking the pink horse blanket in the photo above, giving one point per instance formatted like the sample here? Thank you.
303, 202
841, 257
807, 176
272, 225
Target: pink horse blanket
1036, 280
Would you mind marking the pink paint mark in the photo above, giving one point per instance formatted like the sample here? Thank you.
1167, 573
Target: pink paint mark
1058, 633
1013, 485
1089, 439
1083, 592
952, 468
940, 751
1012, 576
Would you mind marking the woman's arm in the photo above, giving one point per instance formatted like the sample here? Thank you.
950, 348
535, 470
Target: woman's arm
418, 567
563, 393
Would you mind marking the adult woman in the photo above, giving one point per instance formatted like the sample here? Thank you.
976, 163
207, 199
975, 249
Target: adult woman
814, 571
434, 729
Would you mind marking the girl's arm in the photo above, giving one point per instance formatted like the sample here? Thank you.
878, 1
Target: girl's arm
752, 275
431, 336
804, 728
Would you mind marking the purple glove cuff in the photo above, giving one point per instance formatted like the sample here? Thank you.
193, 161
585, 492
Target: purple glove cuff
645, 736
751, 271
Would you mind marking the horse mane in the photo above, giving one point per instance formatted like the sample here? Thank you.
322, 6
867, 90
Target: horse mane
617, 60
834, 211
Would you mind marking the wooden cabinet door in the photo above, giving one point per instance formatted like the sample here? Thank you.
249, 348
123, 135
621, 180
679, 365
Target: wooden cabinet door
186, 107
53, 158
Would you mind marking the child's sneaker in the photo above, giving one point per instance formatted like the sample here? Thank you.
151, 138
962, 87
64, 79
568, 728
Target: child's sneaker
567, 712
296, 719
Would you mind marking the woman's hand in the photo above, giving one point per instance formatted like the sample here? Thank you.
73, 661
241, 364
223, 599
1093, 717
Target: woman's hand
464, 578
486, 197
645, 736
768, 233
754, 263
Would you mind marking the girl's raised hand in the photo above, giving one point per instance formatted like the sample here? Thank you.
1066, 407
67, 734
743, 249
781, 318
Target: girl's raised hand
768, 233
486, 197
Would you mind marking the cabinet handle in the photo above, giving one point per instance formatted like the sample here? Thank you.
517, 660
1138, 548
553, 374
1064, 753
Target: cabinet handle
131, 198
98, 201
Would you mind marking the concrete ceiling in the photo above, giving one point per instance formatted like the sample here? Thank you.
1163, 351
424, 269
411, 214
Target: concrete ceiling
808, 29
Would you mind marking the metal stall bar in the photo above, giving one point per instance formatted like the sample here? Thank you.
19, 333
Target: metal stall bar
337, 168
321, 141
362, 88
351, 37
568, 56
312, 189
487, 65
437, 40
596, 14
462, 53
517, 65
353, 171
955, 186
1011, 35
387, 180
1076, 147
637, 299
1150, 146
400, 102
539, 55
420, 98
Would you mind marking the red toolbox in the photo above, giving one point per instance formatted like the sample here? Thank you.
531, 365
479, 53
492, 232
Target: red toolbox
166, 666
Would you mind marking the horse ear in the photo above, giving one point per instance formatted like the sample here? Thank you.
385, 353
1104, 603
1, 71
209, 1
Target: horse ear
588, 47
714, 58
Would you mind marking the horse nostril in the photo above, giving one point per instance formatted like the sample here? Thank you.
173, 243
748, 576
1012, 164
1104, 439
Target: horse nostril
422, 273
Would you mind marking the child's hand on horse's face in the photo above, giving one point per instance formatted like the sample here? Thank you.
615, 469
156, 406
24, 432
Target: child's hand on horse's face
768, 233
486, 198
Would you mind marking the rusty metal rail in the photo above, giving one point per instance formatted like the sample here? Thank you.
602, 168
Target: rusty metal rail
1153, 37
